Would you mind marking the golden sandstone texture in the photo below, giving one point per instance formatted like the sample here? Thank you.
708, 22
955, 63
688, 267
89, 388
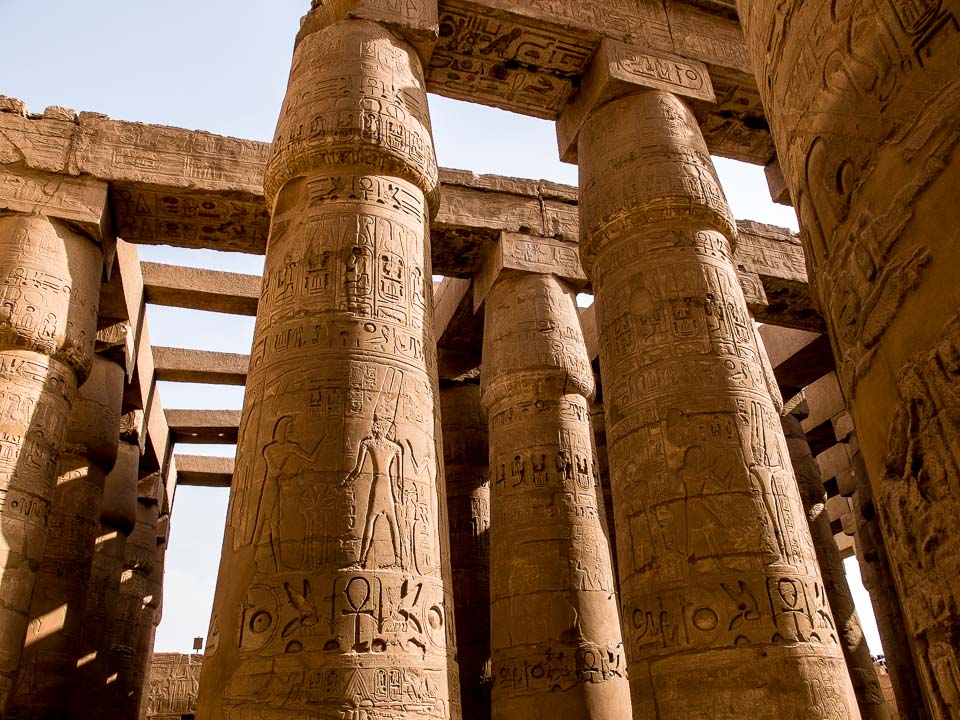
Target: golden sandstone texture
471, 498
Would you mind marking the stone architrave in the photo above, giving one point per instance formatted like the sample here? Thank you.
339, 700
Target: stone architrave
866, 682
334, 596
54, 638
863, 99
878, 580
556, 647
118, 517
49, 290
724, 608
466, 469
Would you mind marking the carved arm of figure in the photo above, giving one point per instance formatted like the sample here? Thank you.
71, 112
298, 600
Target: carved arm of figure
397, 485
361, 459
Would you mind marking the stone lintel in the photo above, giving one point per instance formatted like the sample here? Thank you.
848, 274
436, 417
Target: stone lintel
532, 254
79, 201
618, 69
200, 289
200, 366
779, 192
203, 471
207, 427
116, 342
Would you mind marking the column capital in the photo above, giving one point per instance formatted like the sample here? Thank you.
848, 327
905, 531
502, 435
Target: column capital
416, 21
528, 253
83, 202
618, 69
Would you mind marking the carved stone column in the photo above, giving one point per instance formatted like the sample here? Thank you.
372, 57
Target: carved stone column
118, 517
866, 684
53, 644
135, 608
862, 99
466, 463
878, 580
724, 607
557, 649
334, 597
151, 617
49, 290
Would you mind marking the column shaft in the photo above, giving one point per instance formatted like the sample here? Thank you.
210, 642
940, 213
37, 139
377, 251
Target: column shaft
49, 293
878, 580
556, 647
866, 684
862, 98
118, 516
334, 595
717, 569
466, 463
53, 645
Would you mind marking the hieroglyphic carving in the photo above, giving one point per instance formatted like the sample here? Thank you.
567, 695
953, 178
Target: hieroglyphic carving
335, 597
918, 505
714, 553
466, 462
863, 100
505, 60
173, 684
556, 643
49, 290
53, 645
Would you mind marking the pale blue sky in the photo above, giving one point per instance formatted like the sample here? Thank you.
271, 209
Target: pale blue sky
221, 66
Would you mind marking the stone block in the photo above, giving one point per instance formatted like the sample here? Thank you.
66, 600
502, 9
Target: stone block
618, 69
528, 253
79, 201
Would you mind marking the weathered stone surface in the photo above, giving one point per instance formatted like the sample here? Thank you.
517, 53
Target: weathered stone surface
206, 427
204, 471
197, 289
336, 510
466, 463
54, 638
48, 318
866, 685
718, 574
556, 645
863, 99
173, 685
200, 366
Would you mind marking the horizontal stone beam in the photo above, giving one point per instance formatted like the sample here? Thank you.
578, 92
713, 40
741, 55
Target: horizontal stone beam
203, 427
200, 366
198, 289
202, 471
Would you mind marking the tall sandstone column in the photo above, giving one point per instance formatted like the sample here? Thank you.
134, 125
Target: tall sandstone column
878, 580
724, 607
466, 463
557, 649
334, 597
49, 291
866, 684
863, 98
53, 646
118, 517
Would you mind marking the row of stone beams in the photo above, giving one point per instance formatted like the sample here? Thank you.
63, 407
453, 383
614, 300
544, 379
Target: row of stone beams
193, 189
531, 57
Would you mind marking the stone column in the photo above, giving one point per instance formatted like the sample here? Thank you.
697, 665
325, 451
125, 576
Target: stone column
724, 607
878, 580
557, 649
53, 645
151, 617
334, 596
862, 101
49, 290
866, 684
118, 517
135, 607
466, 468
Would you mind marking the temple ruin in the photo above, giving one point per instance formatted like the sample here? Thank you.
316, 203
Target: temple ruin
471, 498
